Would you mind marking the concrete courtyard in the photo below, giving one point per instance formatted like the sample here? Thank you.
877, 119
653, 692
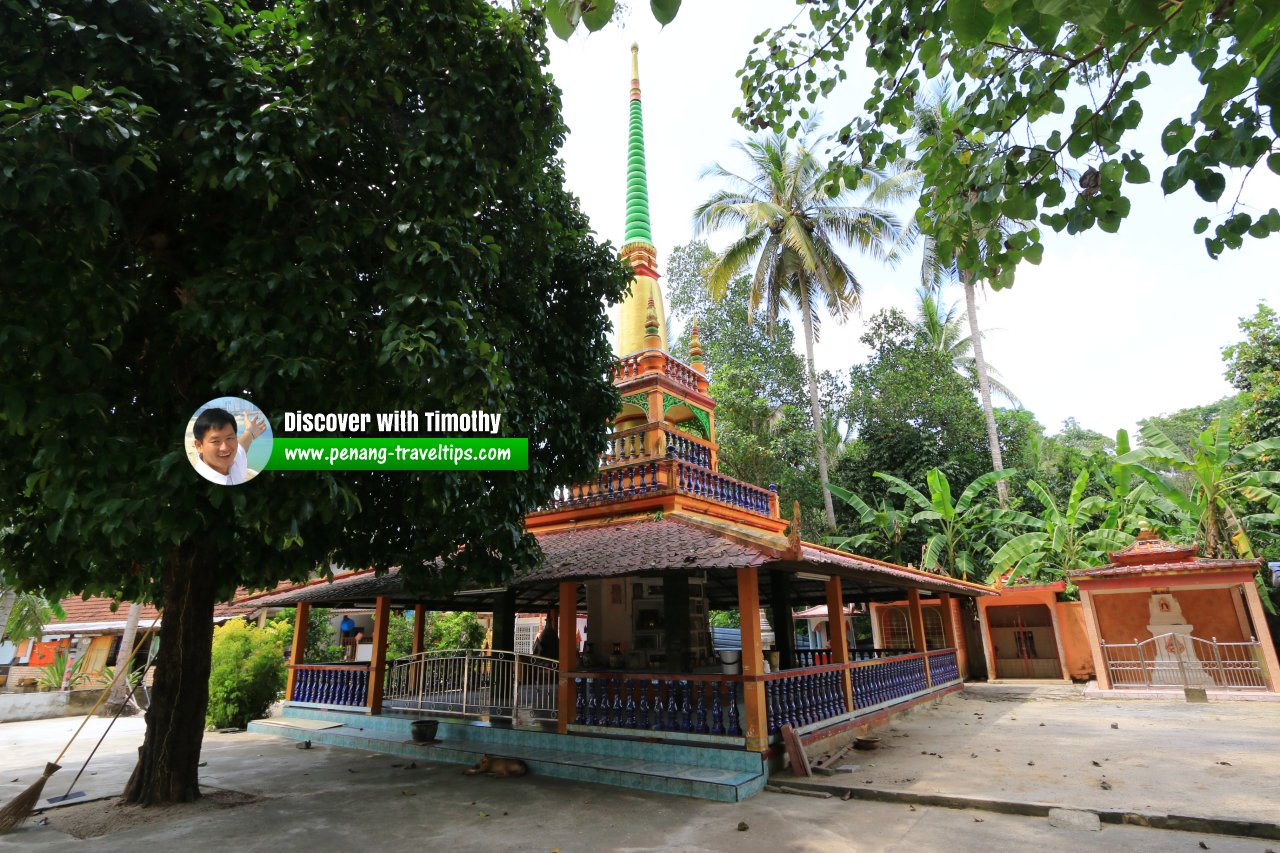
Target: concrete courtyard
333, 799
1049, 745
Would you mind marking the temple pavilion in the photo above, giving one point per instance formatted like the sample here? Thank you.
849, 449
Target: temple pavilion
646, 549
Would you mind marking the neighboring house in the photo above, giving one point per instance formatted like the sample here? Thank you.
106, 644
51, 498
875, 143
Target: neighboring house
91, 631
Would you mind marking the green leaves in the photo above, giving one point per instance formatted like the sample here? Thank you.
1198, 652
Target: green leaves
664, 10
971, 20
1016, 65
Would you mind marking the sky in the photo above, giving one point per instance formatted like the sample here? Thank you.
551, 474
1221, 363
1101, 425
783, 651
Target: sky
1108, 329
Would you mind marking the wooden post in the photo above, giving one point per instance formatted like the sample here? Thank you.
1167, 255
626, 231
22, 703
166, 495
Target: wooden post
755, 711
1095, 640
839, 639
675, 608
988, 649
299, 646
504, 621
917, 630
1263, 636
419, 627
568, 630
784, 623
378, 666
948, 622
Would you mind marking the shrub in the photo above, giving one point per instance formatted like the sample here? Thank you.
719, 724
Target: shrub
50, 676
455, 630
247, 674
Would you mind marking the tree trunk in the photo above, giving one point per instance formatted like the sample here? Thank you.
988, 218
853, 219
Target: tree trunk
815, 405
984, 385
168, 759
120, 687
7, 598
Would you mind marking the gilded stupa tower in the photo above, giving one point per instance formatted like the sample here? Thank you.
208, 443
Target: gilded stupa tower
638, 246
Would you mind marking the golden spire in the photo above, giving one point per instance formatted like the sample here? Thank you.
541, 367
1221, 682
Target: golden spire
695, 350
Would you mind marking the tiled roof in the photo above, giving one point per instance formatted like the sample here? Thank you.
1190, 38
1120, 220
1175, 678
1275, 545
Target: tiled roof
1147, 549
819, 611
1176, 567
1149, 555
363, 584
105, 614
641, 547
874, 570
638, 548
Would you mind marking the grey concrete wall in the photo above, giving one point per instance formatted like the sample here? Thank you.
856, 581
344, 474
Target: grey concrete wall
45, 705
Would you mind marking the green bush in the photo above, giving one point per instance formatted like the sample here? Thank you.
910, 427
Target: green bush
248, 674
50, 676
455, 630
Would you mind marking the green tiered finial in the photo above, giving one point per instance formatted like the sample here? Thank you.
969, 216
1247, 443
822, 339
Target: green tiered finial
637, 184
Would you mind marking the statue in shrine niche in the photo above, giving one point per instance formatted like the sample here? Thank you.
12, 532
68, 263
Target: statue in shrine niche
1176, 663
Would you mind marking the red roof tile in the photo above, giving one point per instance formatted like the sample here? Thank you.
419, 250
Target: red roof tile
99, 609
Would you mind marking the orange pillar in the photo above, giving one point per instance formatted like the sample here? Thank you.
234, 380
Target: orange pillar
299, 646
949, 635
419, 627
567, 629
378, 666
754, 710
1095, 640
839, 639
1263, 636
917, 629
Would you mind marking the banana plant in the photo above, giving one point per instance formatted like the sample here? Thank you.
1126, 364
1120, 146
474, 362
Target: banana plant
1219, 485
1132, 503
957, 542
888, 525
1063, 539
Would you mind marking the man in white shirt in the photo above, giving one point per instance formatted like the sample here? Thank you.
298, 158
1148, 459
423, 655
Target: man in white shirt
222, 458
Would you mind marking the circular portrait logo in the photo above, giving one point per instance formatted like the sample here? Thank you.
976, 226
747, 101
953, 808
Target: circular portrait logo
228, 441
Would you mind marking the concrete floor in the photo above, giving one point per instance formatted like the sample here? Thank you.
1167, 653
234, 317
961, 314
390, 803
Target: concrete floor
1000, 742
333, 799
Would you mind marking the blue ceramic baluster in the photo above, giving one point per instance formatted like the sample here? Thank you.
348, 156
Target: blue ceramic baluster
701, 727
591, 703
686, 712
643, 722
631, 707
735, 727
717, 725
580, 704
615, 718
673, 708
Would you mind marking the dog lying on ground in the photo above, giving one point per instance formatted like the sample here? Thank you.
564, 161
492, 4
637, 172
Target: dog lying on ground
496, 766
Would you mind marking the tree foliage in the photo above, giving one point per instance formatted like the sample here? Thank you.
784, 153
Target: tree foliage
203, 199
1064, 538
1222, 484
763, 421
460, 629
911, 411
1049, 94
1253, 366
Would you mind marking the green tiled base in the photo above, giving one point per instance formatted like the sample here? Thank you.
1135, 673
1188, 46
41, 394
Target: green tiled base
696, 771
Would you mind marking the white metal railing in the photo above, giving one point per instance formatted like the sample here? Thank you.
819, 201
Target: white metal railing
1181, 660
477, 683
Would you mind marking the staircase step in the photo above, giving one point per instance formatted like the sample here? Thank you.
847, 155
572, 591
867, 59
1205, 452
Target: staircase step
712, 783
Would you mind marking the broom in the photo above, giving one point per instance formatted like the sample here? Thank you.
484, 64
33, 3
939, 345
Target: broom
17, 810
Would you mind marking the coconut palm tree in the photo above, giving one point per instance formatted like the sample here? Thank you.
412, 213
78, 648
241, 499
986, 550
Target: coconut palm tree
938, 123
791, 228
944, 333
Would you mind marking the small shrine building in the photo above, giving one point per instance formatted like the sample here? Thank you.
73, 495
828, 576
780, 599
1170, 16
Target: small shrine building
1161, 618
